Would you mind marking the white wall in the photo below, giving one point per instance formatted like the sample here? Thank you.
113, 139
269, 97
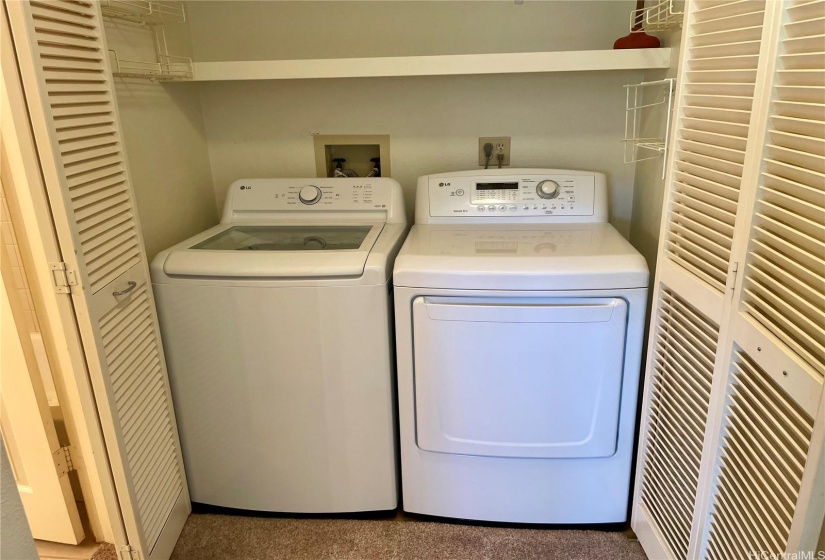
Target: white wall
165, 142
573, 120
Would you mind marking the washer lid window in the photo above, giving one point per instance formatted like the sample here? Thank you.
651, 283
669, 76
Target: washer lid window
286, 238
260, 251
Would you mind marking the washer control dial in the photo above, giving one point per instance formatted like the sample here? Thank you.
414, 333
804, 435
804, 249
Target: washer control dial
548, 189
310, 194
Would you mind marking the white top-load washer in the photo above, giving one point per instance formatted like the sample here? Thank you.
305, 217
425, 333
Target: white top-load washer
277, 330
519, 318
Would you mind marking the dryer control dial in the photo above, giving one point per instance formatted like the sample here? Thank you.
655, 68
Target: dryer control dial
548, 189
310, 194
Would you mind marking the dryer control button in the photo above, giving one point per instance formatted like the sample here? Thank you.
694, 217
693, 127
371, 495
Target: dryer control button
310, 194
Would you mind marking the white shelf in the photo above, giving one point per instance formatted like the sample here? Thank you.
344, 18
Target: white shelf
461, 64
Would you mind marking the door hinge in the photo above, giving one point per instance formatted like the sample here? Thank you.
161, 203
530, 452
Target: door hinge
63, 460
62, 277
732, 272
128, 553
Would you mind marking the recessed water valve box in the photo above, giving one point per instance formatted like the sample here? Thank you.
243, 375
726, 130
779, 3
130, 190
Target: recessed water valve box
353, 155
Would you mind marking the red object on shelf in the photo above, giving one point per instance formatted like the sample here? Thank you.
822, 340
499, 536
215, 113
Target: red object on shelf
637, 38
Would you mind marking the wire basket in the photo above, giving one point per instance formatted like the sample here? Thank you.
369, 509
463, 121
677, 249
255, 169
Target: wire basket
167, 68
661, 16
643, 98
149, 12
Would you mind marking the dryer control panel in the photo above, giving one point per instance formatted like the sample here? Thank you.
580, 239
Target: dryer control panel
539, 195
515, 195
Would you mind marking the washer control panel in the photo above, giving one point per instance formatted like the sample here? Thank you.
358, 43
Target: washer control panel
262, 199
519, 195
257, 194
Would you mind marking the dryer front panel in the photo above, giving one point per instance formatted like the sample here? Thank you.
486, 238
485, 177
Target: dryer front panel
518, 377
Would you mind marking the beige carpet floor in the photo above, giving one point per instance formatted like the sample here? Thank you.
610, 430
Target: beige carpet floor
106, 552
223, 537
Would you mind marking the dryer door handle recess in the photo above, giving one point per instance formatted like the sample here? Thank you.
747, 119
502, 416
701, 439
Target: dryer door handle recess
583, 312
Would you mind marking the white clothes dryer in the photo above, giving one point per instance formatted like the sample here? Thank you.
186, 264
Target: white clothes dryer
519, 322
277, 330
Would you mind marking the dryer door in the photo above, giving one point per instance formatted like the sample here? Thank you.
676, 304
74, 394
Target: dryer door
518, 377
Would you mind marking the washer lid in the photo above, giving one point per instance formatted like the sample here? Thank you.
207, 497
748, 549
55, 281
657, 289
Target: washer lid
519, 257
275, 251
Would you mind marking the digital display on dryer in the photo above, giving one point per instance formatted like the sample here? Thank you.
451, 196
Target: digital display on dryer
496, 186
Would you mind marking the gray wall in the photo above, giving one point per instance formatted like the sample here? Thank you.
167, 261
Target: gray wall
15, 537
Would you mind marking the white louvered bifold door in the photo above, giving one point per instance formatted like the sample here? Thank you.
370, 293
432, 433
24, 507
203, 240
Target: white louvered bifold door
68, 84
742, 256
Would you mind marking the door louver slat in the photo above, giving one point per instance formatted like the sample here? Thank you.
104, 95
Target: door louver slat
98, 195
720, 137
51, 54
80, 170
57, 11
712, 149
765, 440
685, 346
64, 111
73, 158
714, 125
67, 9
76, 147
83, 121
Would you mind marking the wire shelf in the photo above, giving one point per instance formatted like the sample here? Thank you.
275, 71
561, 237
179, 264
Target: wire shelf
661, 16
641, 99
167, 68
149, 12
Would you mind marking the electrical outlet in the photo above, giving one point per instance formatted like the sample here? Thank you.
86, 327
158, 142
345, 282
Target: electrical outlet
501, 145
